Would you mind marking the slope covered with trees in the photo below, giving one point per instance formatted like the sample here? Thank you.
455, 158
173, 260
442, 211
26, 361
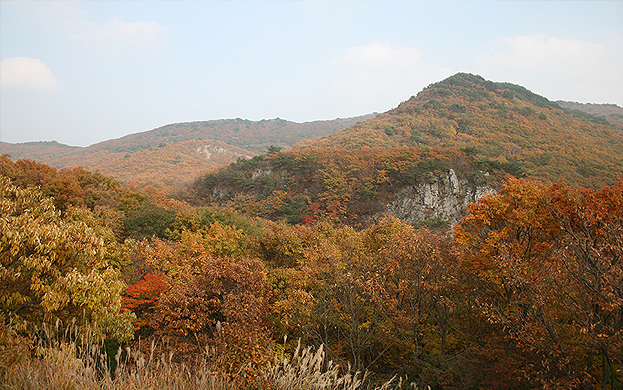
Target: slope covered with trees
172, 155
166, 167
526, 293
254, 136
499, 121
480, 130
610, 112
38, 151
349, 186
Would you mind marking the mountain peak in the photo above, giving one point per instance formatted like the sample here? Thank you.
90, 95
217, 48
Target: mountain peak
475, 86
503, 122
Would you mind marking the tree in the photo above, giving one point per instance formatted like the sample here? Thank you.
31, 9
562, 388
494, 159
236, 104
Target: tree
148, 220
142, 297
55, 269
549, 264
206, 294
412, 278
272, 149
379, 299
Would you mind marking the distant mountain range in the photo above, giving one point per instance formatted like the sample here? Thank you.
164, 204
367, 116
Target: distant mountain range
169, 156
502, 122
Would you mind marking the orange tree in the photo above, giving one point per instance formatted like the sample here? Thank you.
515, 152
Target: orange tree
548, 260
206, 294
412, 279
382, 299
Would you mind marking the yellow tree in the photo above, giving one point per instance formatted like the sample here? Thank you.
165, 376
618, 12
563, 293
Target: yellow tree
412, 277
55, 269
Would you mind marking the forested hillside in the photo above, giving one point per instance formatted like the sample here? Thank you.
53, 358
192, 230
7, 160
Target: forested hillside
166, 167
443, 149
349, 186
610, 112
168, 157
38, 151
112, 287
498, 121
254, 136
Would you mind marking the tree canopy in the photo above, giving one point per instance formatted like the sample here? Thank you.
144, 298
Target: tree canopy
54, 268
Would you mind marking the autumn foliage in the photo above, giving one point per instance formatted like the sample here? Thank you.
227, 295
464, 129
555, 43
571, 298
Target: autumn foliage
526, 292
548, 267
502, 122
292, 251
54, 269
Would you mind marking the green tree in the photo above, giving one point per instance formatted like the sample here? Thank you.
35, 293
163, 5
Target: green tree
148, 220
272, 149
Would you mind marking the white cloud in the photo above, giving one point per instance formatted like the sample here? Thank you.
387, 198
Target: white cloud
144, 34
567, 69
539, 53
377, 76
27, 73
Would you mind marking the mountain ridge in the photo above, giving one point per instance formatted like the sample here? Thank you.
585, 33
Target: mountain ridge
610, 112
234, 138
503, 122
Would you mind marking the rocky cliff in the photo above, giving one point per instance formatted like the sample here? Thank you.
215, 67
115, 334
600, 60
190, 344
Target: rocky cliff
444, 199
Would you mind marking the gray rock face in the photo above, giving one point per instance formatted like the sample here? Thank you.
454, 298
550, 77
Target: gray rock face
443, 198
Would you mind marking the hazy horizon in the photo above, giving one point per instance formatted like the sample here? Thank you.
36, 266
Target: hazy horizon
82, 72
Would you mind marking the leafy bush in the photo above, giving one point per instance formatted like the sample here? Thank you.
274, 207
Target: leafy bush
55, 269
389, 130
148, 220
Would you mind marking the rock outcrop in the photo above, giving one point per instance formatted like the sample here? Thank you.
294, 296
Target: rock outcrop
444, 199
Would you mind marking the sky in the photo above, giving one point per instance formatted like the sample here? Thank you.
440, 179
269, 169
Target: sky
82, 72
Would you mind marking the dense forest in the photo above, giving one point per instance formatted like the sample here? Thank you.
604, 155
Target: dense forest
527, 291
287, 270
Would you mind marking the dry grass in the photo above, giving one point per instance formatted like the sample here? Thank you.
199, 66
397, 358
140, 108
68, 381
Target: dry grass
67, 365
309, 370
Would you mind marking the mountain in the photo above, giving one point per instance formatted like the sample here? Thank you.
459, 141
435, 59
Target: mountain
38, 151
171, 155
254, 136
610, 112
501, 122
430, 186
425, 160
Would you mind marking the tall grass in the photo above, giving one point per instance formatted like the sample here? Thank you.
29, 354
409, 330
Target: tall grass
308, 370
73, 365
68, 365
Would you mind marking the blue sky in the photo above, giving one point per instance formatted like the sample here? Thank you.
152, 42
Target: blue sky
81, 72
